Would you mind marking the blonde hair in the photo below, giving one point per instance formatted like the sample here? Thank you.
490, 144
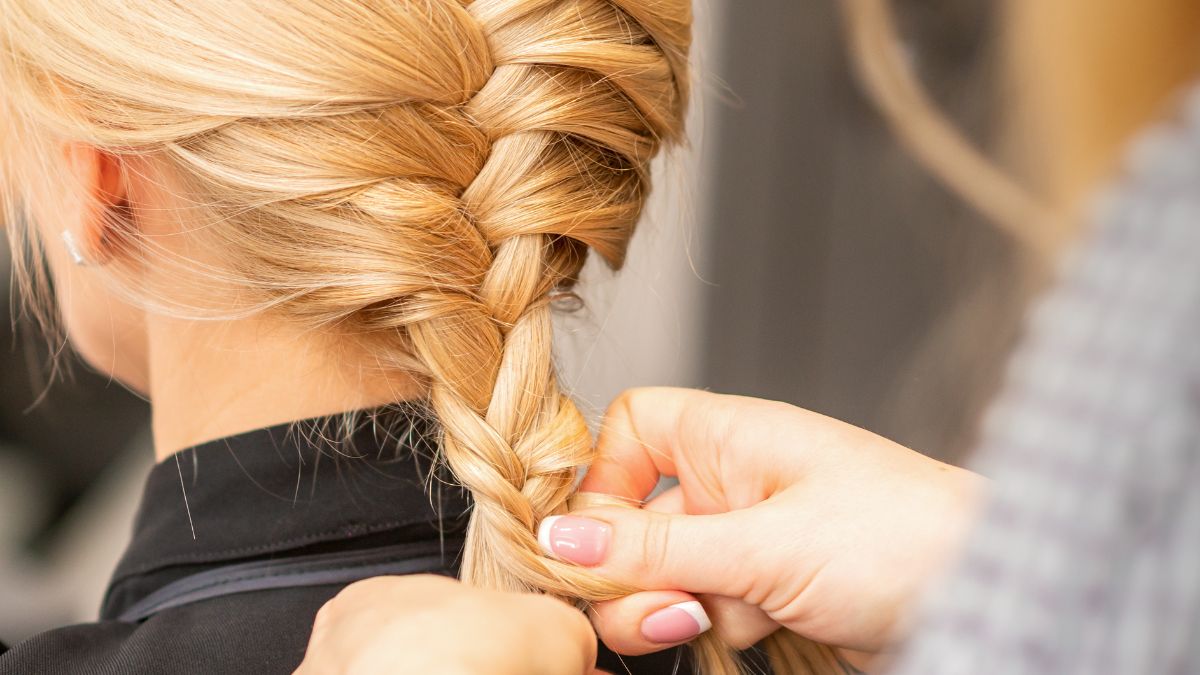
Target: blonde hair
424, 175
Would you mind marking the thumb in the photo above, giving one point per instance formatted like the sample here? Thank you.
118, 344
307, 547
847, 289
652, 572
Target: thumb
658, 551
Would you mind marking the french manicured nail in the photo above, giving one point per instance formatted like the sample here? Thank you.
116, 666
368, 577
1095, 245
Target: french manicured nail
677, 623
582, 541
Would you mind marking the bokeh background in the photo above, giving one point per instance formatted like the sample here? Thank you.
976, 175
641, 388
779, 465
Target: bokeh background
794, 251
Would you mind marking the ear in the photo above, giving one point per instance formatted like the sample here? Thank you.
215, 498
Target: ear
101, 190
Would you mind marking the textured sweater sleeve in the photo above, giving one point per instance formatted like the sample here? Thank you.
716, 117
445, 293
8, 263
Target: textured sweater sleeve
1087, 558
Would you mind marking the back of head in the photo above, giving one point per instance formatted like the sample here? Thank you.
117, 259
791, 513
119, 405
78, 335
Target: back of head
422, 176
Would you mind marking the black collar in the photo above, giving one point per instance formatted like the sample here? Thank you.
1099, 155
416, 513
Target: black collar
288, 490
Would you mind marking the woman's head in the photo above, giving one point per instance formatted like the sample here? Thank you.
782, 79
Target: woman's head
386, 168
416, 178
410, 180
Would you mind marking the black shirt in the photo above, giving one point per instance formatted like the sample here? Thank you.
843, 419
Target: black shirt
268, 498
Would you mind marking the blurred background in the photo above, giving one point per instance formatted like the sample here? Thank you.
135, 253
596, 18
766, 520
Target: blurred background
795, 251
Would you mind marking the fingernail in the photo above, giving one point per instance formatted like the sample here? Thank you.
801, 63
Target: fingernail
677, 623
582, 541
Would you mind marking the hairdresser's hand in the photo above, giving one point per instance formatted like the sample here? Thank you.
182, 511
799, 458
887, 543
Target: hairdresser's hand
783, 518
431, 624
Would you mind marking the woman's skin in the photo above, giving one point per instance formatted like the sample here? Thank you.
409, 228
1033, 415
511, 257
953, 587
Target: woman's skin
205, 379
783, 519
438, 625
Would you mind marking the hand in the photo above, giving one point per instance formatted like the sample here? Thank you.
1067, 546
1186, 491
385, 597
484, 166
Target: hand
782, 518
432, 624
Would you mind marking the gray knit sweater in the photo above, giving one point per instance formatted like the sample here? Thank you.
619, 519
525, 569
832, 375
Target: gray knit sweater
1088, 557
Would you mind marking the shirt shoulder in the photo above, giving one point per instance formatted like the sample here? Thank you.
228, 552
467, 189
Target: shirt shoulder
260, 632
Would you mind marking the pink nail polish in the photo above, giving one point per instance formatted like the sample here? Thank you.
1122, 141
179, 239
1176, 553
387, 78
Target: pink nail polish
582, 541
677, 623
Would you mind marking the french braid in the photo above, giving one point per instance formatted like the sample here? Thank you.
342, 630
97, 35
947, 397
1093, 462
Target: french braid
422, 176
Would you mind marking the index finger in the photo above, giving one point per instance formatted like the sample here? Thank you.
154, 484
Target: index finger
645, 434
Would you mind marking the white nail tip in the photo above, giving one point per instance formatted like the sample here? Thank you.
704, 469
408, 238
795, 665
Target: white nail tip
696, 611
544, 535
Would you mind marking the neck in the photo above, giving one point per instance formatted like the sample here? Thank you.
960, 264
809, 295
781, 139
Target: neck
212, 379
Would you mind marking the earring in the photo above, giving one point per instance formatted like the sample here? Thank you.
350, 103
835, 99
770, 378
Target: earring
73, 248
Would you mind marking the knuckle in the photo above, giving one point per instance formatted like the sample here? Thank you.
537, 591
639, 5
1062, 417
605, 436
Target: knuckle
610, 625
656, 546
324, 616
549, 608
549, 613
713, 417
622, 404
364, 588
581, 623
635, 398
577, 628
636, 393
538, 604
341, 595
599, 617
